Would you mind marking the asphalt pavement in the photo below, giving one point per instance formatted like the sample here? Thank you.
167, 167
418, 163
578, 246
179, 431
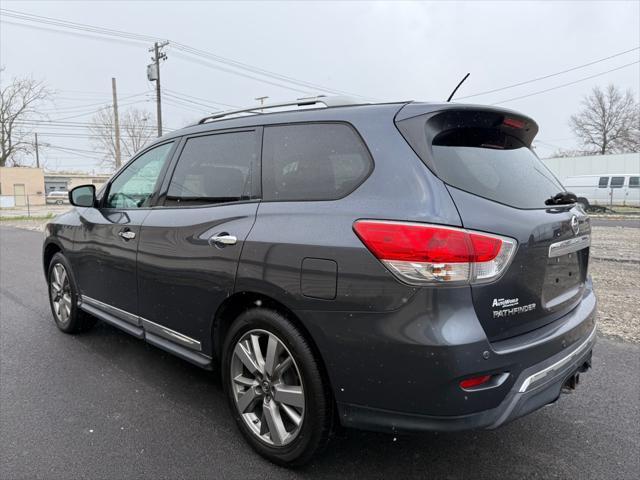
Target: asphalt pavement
105, 405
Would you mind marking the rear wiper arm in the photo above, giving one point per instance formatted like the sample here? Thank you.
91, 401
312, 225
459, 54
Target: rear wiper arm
562, 198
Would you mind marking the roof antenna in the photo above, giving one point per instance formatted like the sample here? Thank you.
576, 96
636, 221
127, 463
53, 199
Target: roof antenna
456, 89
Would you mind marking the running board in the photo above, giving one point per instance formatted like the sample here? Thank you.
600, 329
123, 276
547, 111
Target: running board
197, 359
166, 339
111, 320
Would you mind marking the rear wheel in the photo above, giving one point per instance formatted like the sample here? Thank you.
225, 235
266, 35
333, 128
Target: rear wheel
276, 388
63, 298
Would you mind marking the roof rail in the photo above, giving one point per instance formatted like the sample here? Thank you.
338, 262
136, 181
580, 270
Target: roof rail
328, 101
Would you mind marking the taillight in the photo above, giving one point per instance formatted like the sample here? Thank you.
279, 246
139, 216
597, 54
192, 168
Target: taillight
422, 254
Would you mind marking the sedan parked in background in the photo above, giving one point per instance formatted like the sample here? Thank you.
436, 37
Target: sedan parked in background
58, 197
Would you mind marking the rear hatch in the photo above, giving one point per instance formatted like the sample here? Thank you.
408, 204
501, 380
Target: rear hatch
500, 186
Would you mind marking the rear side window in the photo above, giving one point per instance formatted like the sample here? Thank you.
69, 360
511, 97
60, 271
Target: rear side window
319, 161
215, 169
603, 182
617, 182
494, 165
484, 152
634, 182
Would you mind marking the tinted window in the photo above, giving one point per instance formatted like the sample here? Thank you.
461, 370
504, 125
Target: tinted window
634, 182
215, 169
603, 182
134, 187
493, 165
312, 162
617, 182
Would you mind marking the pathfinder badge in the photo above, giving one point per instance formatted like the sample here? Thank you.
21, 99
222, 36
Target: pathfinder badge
510, 306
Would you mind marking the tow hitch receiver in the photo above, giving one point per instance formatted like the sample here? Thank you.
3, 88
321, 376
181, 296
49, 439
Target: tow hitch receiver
572, 382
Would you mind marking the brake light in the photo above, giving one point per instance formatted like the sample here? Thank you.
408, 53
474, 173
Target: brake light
513, 123
431, 254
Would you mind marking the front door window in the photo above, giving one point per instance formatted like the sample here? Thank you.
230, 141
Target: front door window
134, 187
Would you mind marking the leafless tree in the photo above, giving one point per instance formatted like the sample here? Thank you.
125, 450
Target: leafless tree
135, 133
20, 102
565, 153
608, 122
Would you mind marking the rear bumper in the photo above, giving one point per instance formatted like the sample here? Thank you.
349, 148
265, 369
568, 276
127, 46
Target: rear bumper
526, 396
401, 370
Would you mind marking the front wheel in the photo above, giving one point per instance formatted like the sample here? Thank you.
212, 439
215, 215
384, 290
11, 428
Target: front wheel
276, 387
63, 298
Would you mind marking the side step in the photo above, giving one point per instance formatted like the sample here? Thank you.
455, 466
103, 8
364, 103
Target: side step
198, 359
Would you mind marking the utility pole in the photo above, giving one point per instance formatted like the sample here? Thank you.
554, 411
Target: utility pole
153, 74
261, 100
116, 121
37, 152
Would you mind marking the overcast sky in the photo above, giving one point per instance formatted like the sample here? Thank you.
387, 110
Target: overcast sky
384, 51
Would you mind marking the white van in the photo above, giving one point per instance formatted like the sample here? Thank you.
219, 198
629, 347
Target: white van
606, 189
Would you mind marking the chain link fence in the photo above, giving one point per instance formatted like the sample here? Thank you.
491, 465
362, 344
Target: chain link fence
33, 206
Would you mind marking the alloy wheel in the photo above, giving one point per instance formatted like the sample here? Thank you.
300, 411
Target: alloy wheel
60, 293
267, 387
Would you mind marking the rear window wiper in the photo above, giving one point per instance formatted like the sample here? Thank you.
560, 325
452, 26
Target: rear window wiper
562, 198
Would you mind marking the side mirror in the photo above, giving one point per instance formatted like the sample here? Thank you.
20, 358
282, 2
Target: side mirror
83, 196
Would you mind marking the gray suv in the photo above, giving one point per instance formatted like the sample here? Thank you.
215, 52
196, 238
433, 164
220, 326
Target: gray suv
397, 267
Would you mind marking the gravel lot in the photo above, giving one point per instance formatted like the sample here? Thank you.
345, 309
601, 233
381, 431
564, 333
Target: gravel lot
615, 267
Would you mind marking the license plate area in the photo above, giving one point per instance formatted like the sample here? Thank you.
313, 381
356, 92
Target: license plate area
564, 279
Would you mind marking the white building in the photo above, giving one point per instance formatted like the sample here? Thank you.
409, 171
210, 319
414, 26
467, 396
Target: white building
564, 167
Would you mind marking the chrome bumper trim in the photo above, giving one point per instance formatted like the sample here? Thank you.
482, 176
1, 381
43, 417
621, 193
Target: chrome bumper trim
536, 377
569, 246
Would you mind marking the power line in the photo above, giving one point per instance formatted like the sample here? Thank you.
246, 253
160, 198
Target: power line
80, 150
180, 105
178, 46
51, 123
88, 105
537, 79
209, 64
84, 114
181, 94
190, 104
566, 84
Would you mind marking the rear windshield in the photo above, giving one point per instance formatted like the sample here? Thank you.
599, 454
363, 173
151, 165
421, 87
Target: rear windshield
494, 165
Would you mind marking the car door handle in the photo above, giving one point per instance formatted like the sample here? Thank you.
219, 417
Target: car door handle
222, 240
127, 234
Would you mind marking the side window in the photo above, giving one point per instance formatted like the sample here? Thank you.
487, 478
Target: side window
617, 182
312, 162
604, 181
215, 169
634, 182
134, 187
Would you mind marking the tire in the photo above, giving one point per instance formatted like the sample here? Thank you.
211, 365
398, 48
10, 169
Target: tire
63, 297
278, 395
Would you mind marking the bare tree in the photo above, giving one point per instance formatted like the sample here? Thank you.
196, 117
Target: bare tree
565, 153
608, 122
135, 133
20, 103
